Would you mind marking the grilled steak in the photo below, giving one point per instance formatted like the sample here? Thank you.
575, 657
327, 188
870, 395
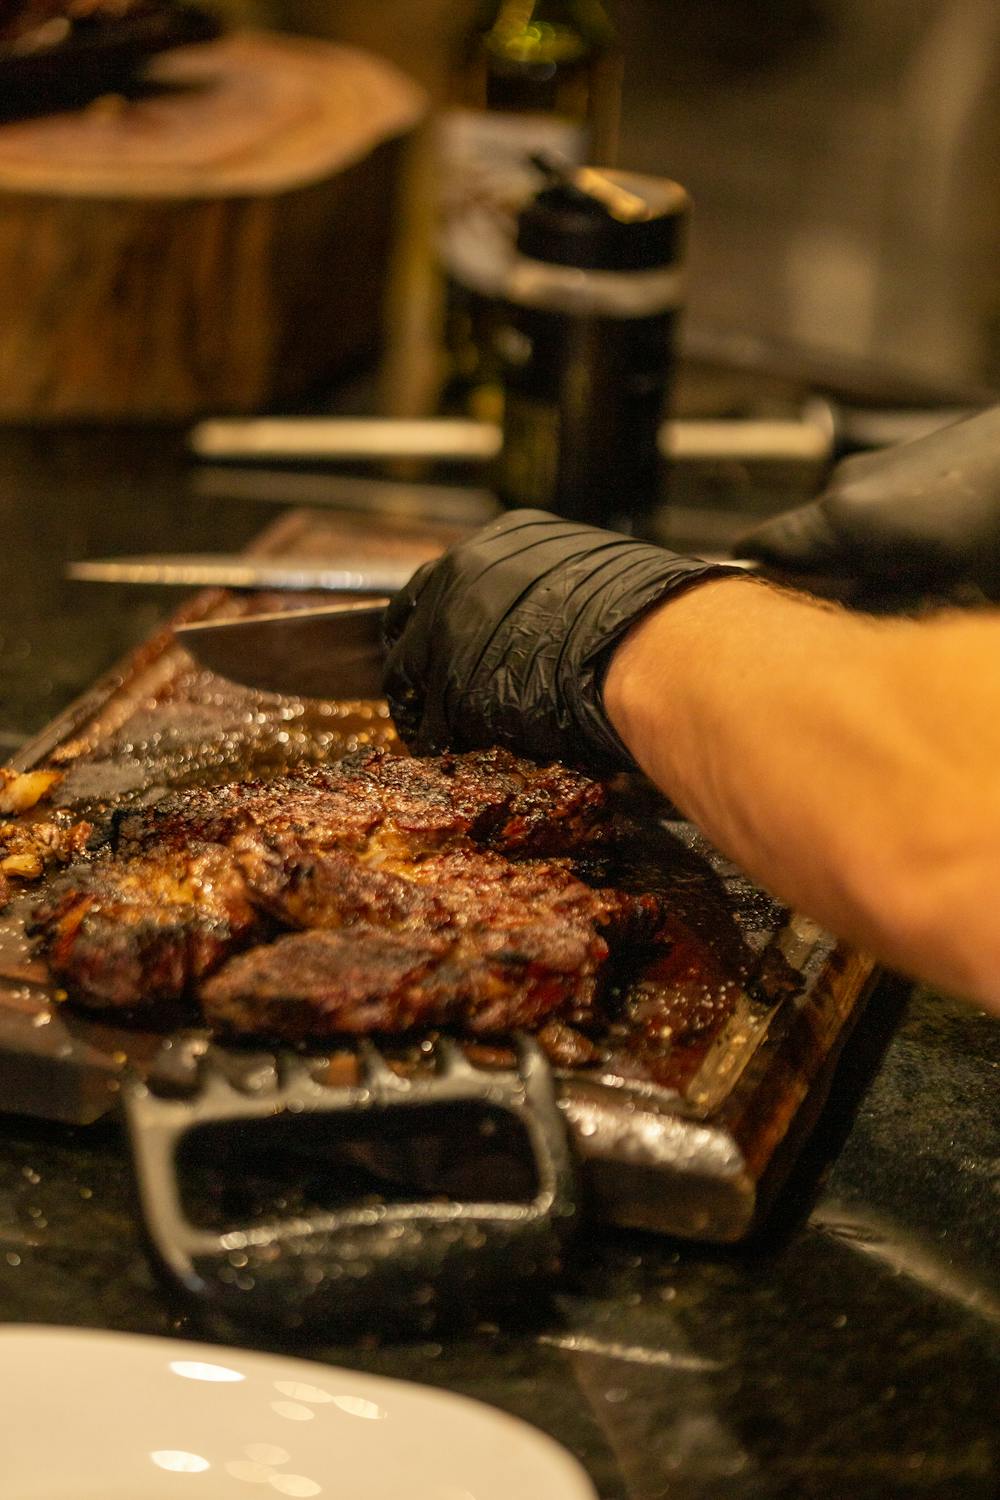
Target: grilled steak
363, 979
417, 886
145, 930
469, 935
382, 804
304, 887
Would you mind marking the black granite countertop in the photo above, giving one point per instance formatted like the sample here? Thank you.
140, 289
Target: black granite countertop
851, 1352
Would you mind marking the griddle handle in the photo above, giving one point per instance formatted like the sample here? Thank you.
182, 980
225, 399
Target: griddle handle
411, 1264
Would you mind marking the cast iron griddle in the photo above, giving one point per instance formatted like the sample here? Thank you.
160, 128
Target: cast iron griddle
723, 1050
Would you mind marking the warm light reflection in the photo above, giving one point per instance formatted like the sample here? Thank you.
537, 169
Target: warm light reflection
179, 1462
300, 1391
293, 1410
355, 1406
297, 1485
250, 1473
266, 1453
195, 1369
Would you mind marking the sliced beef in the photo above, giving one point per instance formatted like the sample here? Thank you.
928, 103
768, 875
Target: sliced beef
365, 979
306, 887
418, 887
143, 931
383, 804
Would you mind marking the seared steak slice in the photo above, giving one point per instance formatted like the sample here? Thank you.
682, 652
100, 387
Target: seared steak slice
303, 887
478, 938
306, 887
331, 817
362, 979
311, 984
480, 888
387, 804
398, 869
142, 931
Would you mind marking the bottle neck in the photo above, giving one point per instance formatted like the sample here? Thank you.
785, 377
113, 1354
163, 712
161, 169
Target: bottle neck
557, 57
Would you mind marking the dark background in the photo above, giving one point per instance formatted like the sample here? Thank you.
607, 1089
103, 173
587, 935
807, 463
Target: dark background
840, 153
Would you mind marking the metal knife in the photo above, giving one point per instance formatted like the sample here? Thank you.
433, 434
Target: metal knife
238, 571
453, 506
333, 652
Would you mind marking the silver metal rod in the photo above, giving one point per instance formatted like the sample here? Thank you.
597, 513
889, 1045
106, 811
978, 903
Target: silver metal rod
447, 440
440, 438
236, 571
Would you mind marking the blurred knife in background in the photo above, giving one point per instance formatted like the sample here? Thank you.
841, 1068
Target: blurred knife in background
238, 571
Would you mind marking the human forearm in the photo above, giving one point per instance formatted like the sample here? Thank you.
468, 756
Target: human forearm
848, 764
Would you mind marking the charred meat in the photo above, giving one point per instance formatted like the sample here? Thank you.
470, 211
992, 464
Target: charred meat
381, 804
369, 979
420, 891
481, 939
123, 933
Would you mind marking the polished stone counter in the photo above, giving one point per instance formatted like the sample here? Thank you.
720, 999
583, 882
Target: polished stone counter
851, 1352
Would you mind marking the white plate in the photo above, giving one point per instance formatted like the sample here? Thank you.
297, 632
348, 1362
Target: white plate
110, 1416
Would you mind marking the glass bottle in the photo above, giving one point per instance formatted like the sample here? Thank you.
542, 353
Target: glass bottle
585, 336
532, 75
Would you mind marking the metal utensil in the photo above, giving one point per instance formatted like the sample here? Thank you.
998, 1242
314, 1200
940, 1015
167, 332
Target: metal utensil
448, 440
382, 499
348, 575
400, 1258
334, 652
441, 439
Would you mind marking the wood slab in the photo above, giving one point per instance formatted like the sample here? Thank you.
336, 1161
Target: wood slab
218, 241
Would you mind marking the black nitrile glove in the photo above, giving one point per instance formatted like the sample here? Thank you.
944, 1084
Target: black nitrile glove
923, 514
505, 639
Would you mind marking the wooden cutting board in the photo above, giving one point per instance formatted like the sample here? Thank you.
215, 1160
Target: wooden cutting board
217, 242
749, 1007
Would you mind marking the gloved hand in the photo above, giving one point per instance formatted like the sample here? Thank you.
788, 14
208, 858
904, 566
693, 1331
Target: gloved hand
505, 639
925, 513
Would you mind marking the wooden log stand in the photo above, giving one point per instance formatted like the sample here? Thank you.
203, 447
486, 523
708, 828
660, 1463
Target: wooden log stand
217, 242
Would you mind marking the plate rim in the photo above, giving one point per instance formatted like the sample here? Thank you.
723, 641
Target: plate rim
573, 1471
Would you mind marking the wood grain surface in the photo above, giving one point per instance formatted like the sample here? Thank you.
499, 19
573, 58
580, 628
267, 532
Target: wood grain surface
218, 242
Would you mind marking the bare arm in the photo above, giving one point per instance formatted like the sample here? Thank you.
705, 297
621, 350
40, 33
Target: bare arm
851, 765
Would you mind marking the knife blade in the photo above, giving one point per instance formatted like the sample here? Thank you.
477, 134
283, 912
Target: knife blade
453, 506
332, 652
238, 571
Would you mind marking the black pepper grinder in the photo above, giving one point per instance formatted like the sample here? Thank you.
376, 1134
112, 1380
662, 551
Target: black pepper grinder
586, 344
